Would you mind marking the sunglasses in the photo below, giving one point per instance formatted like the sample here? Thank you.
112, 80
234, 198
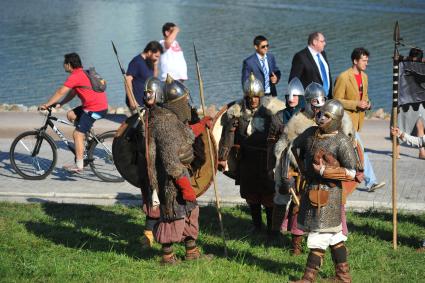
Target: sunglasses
264, 46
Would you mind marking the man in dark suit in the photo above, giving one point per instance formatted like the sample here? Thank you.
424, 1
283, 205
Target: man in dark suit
311, 64
263, 65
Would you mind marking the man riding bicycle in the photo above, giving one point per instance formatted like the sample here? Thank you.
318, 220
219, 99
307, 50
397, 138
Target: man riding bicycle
94, 105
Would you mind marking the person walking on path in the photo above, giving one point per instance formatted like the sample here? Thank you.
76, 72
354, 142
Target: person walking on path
140, 68
172, 60
351, 89
414, 142
311, 64
263, 64
94, 105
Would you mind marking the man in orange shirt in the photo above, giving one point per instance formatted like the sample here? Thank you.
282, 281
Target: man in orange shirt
94, 105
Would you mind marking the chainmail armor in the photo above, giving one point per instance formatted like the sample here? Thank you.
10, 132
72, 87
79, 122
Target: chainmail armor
328, 219
167, 137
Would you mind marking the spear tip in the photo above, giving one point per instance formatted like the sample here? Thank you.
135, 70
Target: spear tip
113, 47
396, 36
194, 50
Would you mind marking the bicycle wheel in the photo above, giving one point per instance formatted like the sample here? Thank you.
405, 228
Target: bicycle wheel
33, 155
100, 158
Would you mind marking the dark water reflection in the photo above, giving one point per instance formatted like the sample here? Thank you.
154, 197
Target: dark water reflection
35, 35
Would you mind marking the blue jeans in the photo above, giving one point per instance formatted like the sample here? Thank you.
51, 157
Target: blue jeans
369, 175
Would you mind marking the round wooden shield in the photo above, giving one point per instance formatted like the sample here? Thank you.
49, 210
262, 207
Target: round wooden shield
128, 150
219, 121
202, 177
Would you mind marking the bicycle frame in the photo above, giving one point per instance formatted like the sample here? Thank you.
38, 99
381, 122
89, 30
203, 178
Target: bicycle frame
49, 123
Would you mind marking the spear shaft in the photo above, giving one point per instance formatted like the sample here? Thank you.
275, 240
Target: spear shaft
127, 87
217, 200
394, 124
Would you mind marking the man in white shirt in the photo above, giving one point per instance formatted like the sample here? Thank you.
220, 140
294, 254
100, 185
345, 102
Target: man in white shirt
311, 64
172, 60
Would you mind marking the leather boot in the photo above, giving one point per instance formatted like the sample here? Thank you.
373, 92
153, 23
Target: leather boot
314, 261
169, 259
297, 241
278, 215
309, 276
342, 269
269, 218
168, 256
194, 254
256, 217
342, 272
192, 251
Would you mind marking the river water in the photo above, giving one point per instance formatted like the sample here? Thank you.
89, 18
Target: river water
35, 34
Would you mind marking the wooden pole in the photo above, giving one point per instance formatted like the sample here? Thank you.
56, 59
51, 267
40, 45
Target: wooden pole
394, 124
210, 147
128, 88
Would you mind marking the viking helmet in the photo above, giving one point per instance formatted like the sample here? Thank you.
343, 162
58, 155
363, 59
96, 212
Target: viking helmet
153, 89
329, 118
175, 98
253, 87
295, 87
315, 96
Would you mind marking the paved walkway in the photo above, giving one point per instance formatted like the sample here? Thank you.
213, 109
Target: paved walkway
88, 189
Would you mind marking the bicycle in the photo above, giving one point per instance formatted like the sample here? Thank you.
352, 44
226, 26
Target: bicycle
33, 154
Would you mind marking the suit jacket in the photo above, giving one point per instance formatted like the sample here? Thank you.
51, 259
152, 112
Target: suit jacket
252, 64
347, 92
304, 67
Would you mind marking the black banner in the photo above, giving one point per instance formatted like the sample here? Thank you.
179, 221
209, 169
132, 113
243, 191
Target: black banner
411, 83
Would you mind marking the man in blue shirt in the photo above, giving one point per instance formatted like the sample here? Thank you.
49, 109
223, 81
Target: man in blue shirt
140, 68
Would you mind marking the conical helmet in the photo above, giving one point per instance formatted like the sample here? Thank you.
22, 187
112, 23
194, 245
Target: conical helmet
329, 119
153, 89
176, 99
253, 87
315, 96
295, 87
174, 90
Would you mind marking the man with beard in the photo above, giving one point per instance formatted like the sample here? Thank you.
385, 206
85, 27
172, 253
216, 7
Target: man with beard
140, 68
328, 159
168, 154
154, 96
247, 126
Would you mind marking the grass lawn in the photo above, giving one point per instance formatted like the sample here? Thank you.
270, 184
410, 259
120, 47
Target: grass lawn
80, 243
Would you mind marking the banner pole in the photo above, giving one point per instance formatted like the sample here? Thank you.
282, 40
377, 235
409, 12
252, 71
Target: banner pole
396, 73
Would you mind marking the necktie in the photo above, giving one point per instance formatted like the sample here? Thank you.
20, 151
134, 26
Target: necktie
324, 74
266, 74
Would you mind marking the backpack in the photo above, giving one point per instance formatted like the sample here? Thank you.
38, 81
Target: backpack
98, 84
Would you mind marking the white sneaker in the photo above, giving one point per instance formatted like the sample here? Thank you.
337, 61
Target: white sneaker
73, 168
376, 186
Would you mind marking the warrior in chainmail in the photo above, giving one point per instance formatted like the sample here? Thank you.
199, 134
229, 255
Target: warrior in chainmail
327, 158
248, 122
169, 153
314, 98
293, 101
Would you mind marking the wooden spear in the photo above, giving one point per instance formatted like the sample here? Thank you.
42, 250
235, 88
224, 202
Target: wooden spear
129, 89
217, 200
